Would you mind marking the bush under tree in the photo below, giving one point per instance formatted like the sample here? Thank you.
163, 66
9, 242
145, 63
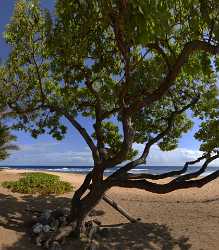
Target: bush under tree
39, 183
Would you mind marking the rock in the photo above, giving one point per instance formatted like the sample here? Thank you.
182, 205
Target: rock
37, 228
45, 216
46, 228
54, 224
93, 245
46, 213
83, 237
63, 232
39, 240
60, 212
55, 246
66, 211
92, 232
62, 220
104, 232
90, 229
57, 213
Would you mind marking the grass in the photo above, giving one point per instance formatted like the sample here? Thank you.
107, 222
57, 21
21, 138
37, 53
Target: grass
39, 183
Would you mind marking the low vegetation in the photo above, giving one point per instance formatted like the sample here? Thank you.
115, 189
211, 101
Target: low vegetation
41, 183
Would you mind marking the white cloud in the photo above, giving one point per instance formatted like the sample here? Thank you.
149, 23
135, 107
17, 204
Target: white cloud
57, 154
175, 157
53, 154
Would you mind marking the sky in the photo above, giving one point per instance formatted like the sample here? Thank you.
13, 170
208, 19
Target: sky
72, 150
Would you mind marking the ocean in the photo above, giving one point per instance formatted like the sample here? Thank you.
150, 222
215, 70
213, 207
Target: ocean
86, 169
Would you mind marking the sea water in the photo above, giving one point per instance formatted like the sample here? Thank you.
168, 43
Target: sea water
86, 169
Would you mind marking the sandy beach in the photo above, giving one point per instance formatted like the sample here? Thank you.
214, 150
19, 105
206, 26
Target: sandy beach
185, 219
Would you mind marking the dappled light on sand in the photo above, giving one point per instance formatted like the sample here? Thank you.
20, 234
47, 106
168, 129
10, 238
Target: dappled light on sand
178, 221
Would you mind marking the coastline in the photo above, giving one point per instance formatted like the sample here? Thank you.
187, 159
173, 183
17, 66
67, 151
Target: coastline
86, 169
183, 218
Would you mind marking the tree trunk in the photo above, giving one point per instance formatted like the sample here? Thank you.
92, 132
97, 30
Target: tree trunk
81, 207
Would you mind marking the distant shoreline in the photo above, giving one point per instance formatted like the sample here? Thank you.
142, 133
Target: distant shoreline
85, 169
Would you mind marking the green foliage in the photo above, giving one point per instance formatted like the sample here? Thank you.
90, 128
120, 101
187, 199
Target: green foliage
5, 139
209, 135
113, 140
73, 62
39, 183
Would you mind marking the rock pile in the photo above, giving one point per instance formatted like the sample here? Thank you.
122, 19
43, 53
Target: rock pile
49, 222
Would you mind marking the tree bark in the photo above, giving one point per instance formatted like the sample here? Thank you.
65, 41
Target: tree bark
81, 207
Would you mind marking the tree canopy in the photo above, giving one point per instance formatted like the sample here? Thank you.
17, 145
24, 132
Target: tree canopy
140, 70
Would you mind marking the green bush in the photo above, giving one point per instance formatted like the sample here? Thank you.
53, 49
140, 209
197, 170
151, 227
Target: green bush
41, 183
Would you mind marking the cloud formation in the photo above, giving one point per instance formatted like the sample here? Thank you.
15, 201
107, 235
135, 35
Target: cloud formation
49, 154
175, 157
56, 154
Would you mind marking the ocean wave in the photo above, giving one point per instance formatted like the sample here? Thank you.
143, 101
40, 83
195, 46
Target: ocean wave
86, 169
140, 169
5, 168
69, 169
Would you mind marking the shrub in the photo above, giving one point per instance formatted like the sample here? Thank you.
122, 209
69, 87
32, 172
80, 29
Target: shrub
41, 183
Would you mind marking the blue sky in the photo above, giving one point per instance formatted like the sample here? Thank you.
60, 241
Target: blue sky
72, 150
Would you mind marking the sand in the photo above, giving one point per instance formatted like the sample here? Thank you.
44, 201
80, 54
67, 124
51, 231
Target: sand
183, 219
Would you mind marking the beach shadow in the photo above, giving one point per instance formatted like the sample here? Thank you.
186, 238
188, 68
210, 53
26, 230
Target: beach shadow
142, 236
16, 214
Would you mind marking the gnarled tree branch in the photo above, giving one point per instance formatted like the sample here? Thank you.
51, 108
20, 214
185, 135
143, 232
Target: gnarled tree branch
168, 174
165, 84
142, 158
165, 188
199, 172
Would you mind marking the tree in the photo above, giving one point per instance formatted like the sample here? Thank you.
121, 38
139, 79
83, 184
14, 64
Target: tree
5, 135
5, 139
139, 70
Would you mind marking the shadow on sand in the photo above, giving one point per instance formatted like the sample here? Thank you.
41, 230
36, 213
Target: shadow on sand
137, 236
140, 236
